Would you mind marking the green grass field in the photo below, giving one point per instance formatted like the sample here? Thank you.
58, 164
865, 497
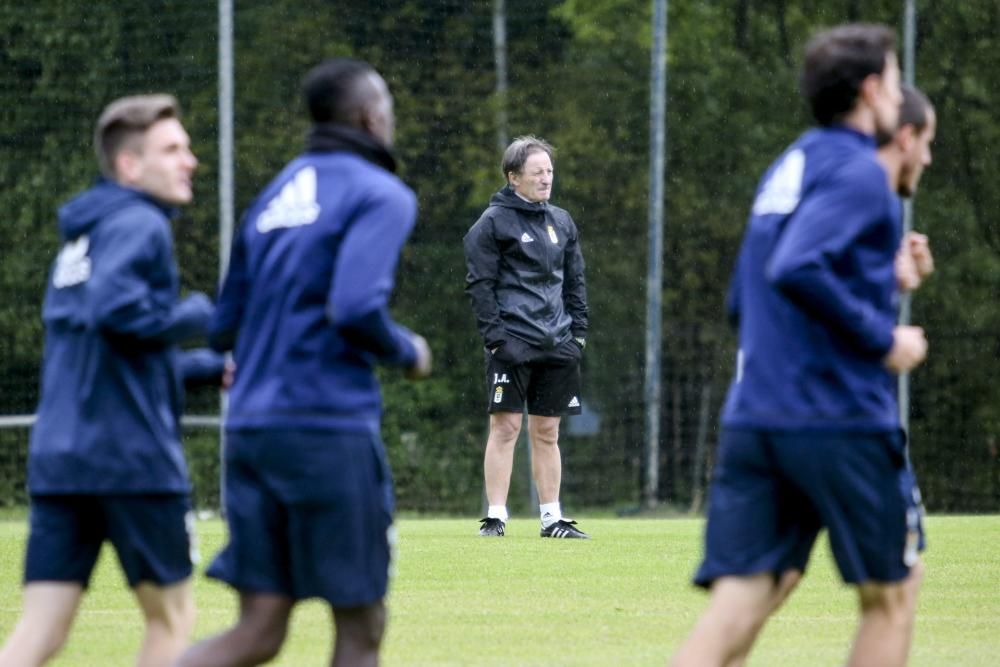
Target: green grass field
622, 598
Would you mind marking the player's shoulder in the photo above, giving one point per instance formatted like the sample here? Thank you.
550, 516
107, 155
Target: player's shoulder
314, 177
137, 216
844, 154
369, 180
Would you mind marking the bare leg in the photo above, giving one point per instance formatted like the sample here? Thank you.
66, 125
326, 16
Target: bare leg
546, 463
737, 610
499, 460
358, 635
786, 584
256, 638
169, 614
886, 628
49, 609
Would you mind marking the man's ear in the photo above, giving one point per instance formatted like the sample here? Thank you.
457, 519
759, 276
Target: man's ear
869, 90
127, 168
906, 136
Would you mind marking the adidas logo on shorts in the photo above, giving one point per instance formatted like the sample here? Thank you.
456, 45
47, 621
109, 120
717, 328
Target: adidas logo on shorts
574, 402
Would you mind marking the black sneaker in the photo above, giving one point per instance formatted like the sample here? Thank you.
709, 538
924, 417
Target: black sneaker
564, 528
491, 527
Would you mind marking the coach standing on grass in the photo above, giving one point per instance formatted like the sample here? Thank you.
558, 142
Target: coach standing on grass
525, 280
105, 461
811, 436
309, 496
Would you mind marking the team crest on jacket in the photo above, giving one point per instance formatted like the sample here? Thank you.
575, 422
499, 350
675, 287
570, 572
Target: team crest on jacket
552, 234
294, 206
72, 263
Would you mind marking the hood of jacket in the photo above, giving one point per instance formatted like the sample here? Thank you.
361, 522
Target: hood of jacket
81, 213
507, 198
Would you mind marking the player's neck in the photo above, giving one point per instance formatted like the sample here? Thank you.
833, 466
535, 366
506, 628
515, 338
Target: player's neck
861, 118
892, 161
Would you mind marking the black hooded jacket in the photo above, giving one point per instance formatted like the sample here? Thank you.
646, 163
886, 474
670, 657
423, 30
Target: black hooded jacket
525, 273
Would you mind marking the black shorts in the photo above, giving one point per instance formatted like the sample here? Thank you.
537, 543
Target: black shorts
548, 383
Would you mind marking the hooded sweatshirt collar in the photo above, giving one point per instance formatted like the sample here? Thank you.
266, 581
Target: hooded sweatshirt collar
330, 137
82, 212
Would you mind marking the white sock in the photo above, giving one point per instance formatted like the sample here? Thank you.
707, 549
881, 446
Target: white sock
550, 513
498, 512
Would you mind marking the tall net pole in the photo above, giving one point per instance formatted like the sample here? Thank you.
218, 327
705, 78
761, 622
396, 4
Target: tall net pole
226, 189
654, 280
500, 63
909, 76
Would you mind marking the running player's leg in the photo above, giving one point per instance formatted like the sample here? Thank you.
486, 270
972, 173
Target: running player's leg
758, 537
255, 562
64, 541
169, 615
737, 610
49, 608
886, 628
858, 482
359, 632
256, 638
153, 535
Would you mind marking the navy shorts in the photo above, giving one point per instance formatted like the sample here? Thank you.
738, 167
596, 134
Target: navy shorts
548, 383
310, 515
153, 536
772, 492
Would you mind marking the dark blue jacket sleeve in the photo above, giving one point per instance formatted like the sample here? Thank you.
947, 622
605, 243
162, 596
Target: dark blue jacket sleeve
358, 302
201, 366
127, 293
232, 299
819, 234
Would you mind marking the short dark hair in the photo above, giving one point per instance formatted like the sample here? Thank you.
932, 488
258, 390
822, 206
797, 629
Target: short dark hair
331, 91
520, 150
915, 108
124, 121
837, 61
913, 111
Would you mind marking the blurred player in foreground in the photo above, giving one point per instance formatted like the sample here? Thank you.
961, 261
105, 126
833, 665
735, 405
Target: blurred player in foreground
105, 461
309, 496
811, 436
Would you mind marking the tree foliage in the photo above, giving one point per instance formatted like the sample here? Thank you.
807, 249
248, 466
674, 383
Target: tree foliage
578, 76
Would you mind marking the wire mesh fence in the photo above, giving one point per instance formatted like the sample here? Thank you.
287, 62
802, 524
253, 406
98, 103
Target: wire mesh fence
577, 74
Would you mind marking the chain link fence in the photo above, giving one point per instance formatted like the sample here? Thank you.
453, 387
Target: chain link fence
577, 74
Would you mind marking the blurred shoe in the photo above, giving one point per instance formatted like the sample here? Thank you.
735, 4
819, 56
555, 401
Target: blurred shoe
491, 527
